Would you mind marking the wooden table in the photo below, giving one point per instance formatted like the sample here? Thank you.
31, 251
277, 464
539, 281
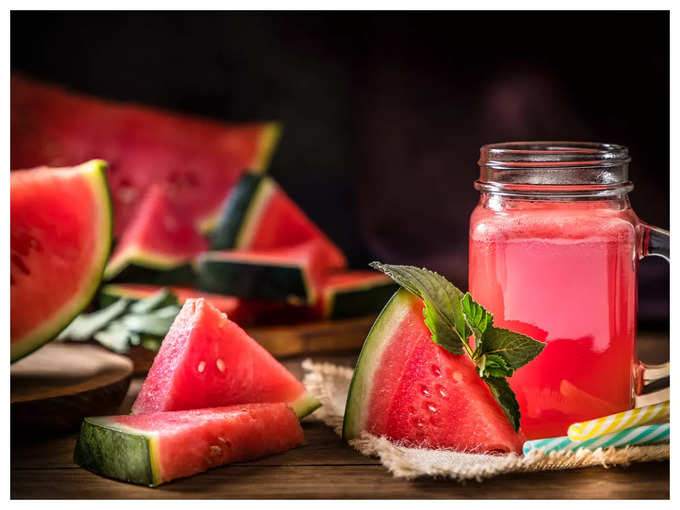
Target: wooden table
325, 468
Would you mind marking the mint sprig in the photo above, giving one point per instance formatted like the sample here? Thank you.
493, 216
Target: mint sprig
452, 317
126, 322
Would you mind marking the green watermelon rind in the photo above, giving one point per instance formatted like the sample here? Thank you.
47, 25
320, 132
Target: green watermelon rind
238, 274
271, 134
344, 302
242, 212
305, 405
135, 256
384, 327
119, 452
95, 171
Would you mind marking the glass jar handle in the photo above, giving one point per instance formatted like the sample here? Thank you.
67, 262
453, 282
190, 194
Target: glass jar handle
654, 242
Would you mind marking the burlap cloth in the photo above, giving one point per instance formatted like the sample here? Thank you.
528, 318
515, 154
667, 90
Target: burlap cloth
330, 383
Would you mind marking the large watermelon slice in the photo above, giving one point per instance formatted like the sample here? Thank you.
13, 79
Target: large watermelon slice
291, 274
354, 294
198, 158
155, 448
206, 360
60, 237
412, 391
259, 215
158, 245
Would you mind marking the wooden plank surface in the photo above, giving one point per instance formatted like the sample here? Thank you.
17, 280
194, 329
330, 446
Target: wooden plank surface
325, 468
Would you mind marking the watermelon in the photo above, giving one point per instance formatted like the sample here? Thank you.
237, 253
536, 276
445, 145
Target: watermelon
159, 244
238, 310
60, 237
290, 274
155, 448
199, 159
206, 360
414, 392
354, 294
260, 216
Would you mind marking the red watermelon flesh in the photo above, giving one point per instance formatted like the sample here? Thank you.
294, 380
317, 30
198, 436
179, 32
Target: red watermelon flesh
160, 236
275, 221
238, 310
60, 238
199, 159
206, 360
416, 393
183, 443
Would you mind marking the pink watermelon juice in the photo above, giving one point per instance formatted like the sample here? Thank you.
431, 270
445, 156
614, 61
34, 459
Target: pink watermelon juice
563, 273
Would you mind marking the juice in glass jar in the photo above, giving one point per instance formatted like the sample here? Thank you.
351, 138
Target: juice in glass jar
554, 252
565, 274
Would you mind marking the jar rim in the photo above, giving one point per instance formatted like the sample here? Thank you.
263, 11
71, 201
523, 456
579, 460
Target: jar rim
552, 153
554, 168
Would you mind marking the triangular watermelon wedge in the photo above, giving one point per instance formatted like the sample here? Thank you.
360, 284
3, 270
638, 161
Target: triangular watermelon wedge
206, 360
151, 449
158, 245
259, 215
412, 391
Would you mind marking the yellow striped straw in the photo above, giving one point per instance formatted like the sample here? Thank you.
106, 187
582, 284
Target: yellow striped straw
619, 421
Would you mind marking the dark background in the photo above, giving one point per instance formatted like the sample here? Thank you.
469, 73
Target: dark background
384, 113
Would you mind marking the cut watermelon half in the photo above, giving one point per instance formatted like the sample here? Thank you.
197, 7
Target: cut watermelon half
60, 240
159, 245
155, 448
259, 215
199, 159
240, 311
414, 392
354, 294
292, 274
206, 360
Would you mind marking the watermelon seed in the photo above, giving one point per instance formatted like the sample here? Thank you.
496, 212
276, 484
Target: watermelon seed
429, 406
215, 450
424, 390
201, 366
441, 390
220, 365
436, 371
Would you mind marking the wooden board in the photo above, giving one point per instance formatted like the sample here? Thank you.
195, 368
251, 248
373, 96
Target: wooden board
59, 384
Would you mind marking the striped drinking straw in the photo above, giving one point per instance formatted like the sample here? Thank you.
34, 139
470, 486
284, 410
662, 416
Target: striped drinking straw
619, 421
645, 434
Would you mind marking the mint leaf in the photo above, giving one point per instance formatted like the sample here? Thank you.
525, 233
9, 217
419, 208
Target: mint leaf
501, 391
160, 299
85, 325
493, 365
477, 319
516, 349
443, 308
126, 322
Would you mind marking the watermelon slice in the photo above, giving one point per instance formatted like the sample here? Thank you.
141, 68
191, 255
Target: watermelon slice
260, 216
414, 392
354, 294
291, 274
155, 448
60, 239
198, 158
158, 245
238, 310
206, 360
